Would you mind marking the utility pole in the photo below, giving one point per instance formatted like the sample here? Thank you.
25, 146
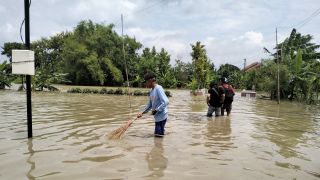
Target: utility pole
28, 77
125, 62
244, 64
278, 74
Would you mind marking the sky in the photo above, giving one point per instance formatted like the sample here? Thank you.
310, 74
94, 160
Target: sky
231, 30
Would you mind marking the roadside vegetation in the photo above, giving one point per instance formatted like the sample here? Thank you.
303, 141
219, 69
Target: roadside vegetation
91, 55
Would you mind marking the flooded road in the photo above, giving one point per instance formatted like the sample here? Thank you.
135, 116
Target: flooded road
260, 140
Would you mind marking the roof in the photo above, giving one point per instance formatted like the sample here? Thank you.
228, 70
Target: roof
252, 66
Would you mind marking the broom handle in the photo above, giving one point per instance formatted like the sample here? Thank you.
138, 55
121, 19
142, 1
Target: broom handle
134, 119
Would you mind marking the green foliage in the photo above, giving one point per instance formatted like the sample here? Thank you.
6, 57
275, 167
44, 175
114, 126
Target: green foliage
200, 64
138, 93
226, 70
93, 55
110, 91
168, 93
8, 47
43, 80
119, 91
5, 75
75, 90
183, 73
103, 91
298, 64
193, 85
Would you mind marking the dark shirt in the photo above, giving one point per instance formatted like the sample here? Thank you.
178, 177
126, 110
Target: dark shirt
216, 96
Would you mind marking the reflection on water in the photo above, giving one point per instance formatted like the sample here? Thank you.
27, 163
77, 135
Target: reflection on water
260, 140
157, 162
29, 160
218, 134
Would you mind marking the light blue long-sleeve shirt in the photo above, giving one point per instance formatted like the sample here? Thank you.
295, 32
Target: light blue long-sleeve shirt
158, 101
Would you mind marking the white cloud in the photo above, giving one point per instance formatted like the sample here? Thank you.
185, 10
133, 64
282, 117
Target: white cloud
254, 37
209, 41
169, 40
250, 37
231, 30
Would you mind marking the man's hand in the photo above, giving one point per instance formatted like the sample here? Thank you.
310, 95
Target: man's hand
139, 114
153, 112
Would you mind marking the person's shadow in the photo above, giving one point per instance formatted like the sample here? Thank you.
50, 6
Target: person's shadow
157, 162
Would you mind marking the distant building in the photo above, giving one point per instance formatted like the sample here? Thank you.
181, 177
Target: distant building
255, 65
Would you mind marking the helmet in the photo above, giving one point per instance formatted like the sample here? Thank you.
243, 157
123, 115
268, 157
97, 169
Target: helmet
223, 80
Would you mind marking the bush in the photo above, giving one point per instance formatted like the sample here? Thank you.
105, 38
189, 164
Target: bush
119, 91
137, 93
168, 93
103, 91
86, 90
74, 90
95, 91
126, 92
110, 91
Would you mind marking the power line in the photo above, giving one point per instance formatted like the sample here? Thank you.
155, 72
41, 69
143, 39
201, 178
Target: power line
22, 25
304, 21
143, 9
308, 19
151, 6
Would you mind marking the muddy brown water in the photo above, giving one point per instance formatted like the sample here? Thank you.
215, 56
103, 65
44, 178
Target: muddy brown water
260, 140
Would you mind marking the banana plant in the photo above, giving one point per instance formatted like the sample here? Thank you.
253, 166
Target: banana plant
42, 80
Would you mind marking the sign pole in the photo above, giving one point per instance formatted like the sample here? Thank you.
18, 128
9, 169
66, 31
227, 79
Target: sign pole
28, 77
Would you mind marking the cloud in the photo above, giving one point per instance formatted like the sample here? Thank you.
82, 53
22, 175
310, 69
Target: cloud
234, 50
171, 41
231, 30
254, 38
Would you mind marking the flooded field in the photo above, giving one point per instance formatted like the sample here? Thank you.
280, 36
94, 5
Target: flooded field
260, 140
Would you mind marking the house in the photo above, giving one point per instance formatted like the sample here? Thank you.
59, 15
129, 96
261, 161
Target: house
252, 66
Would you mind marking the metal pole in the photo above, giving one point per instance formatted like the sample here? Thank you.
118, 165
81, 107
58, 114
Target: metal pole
28, 77
278, 74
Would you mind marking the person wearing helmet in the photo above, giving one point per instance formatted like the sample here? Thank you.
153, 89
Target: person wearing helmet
229, 93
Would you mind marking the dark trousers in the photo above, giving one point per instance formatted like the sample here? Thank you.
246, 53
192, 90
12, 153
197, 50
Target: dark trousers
227, 107
159, 128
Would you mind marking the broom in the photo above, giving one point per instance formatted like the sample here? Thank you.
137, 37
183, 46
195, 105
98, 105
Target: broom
119, 132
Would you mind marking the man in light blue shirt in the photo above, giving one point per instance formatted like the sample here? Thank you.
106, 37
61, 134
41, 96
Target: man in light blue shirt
158, 102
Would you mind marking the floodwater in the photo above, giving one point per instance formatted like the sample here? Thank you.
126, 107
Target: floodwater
260, 140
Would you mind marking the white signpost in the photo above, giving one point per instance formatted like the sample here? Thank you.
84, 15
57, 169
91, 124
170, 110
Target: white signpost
23, 62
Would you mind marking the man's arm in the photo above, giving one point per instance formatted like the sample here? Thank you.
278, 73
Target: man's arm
146, 109
164, 101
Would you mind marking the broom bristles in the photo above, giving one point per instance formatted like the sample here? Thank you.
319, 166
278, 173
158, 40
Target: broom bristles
119, 132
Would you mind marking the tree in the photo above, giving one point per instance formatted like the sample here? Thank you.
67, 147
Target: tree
226, 70
200, 64
5, 75
93, 55
300, 58
8, 47
183, 73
